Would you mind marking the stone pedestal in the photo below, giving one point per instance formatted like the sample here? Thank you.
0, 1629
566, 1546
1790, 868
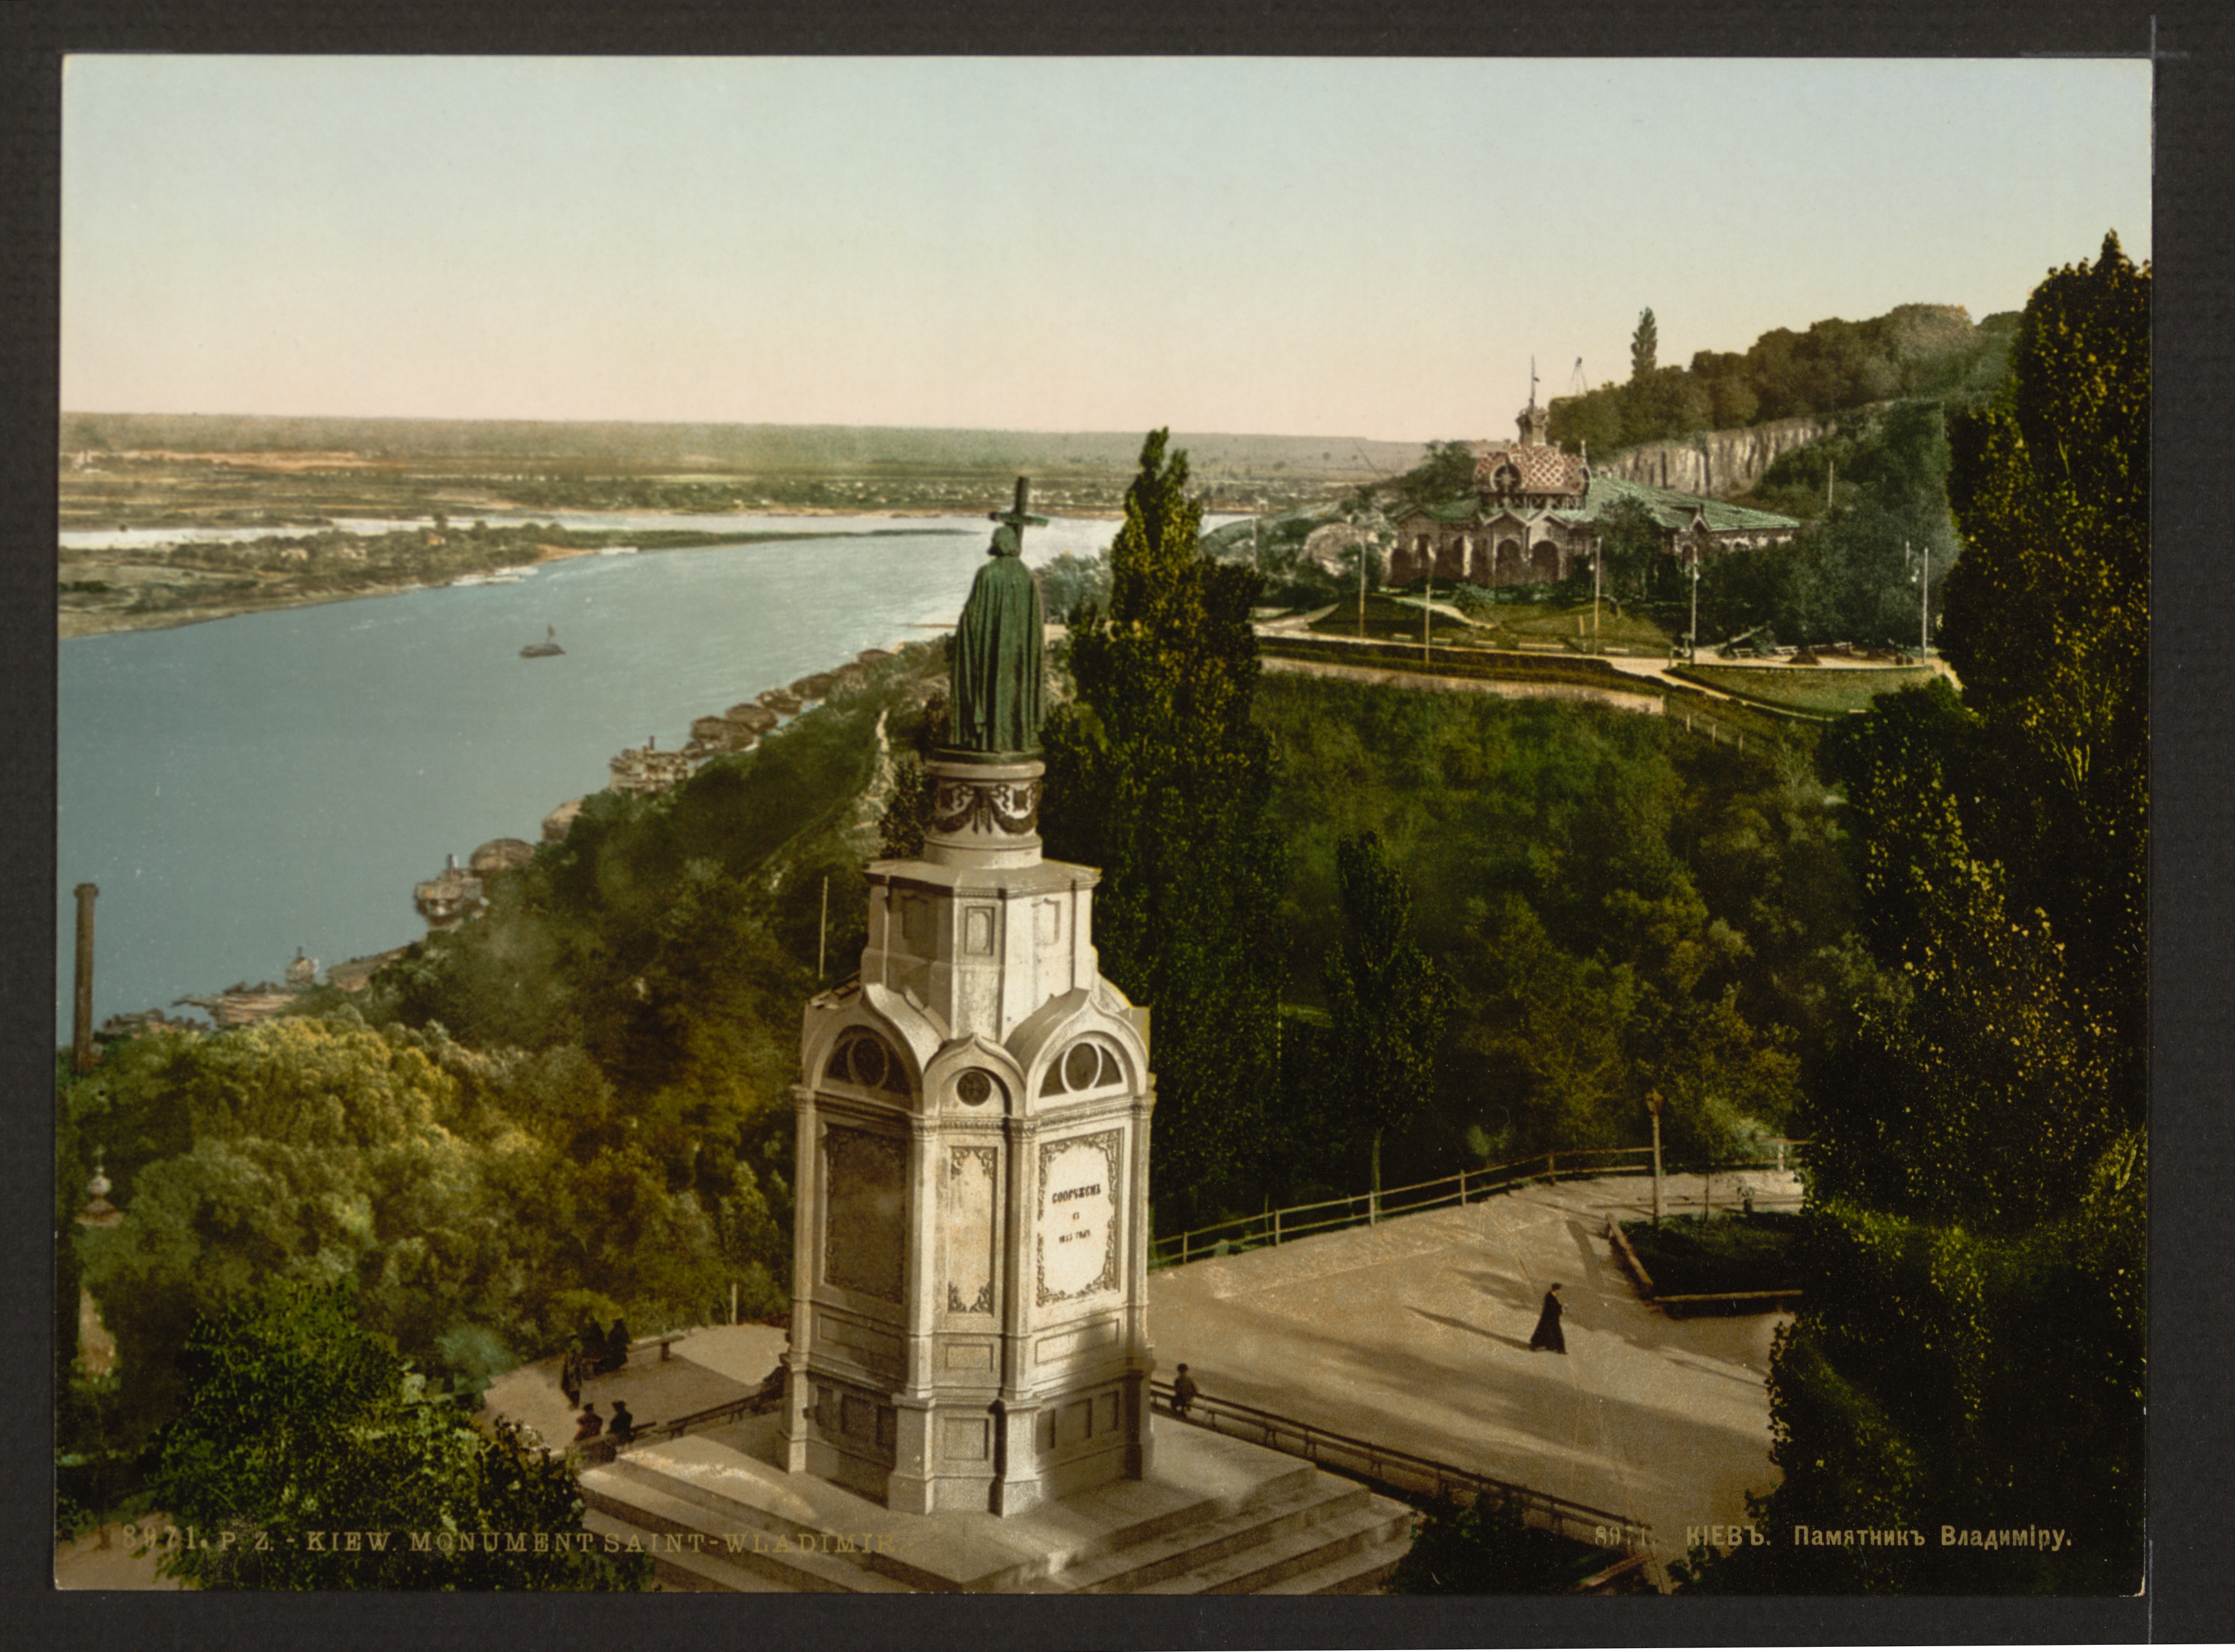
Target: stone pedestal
969, 1319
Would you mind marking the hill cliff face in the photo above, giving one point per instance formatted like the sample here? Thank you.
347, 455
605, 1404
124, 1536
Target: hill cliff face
1714, 464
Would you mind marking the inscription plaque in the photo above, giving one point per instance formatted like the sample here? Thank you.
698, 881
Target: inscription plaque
1077, 1236
968, 1219
865, 1212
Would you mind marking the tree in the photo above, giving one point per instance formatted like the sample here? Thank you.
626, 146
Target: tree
1388, 999
1158, 775
1644, 346
1972, 1344
2048, 621
306, 1455
1485, 1548
1633, 547
1446, 472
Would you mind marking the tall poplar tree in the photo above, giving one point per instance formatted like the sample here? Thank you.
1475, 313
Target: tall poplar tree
1968, 1361
1388, 999
1158, 775
1644, 348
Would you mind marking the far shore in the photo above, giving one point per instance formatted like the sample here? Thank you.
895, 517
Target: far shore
72, 622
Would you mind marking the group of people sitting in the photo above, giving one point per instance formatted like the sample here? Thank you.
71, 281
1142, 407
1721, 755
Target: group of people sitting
589, 1425
597, 1351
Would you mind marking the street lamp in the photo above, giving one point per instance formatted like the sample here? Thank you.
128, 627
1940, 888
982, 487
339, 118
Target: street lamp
1653, 1105
1921, 577
1692, 640
1598, 565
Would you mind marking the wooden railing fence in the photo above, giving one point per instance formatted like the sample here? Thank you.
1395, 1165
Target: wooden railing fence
1362, 1209
1405, 1470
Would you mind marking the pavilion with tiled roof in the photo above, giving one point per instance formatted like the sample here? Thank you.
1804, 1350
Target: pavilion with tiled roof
1534, 515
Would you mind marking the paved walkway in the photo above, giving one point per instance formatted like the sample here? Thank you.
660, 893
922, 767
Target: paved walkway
712, 1365
1414, 1334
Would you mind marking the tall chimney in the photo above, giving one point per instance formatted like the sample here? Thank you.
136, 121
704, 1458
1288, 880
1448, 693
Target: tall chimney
81, 1054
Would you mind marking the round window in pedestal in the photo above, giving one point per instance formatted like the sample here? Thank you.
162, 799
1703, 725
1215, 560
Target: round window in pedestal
864, 1061
1087, 1065
977, 1087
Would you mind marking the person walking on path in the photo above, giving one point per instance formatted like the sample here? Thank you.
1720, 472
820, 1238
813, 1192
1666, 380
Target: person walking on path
1184, 1392
1547, 1335
570, 1375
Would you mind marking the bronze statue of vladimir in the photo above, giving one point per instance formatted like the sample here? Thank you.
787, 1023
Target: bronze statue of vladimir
998, 698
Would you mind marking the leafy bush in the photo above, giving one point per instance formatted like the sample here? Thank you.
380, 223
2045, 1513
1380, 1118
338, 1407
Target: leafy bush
305, 1455
1702, 1256
1484, 1548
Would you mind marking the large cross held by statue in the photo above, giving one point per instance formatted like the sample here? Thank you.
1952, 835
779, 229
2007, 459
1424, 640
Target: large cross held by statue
1017, 517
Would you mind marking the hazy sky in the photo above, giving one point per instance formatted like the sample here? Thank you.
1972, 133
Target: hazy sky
1371, 248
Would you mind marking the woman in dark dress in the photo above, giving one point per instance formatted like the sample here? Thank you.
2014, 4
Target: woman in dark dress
1547, 1335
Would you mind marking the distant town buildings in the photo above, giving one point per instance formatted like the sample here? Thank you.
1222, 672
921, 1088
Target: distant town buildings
646, 771
448, 899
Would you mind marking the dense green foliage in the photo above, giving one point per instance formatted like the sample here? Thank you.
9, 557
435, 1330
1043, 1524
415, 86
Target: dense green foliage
304, 1454
1696, 1255
1387, 1002
1620, 907
1849, 575
1477, 1550
1070, 580
1158, 775
1915, 350
1970, 1351
1446, 472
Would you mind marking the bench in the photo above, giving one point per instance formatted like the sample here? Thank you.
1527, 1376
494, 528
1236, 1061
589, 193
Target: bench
665, 1343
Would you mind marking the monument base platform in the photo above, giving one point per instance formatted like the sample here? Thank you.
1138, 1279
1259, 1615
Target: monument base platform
1217, 1516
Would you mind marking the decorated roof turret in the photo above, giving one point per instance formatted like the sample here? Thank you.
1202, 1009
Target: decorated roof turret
1531, 466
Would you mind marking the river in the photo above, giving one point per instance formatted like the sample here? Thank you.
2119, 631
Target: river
244, 787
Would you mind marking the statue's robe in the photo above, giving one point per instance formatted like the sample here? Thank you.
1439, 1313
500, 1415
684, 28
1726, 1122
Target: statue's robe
998, 692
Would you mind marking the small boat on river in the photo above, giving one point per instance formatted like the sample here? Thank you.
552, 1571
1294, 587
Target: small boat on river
545, 649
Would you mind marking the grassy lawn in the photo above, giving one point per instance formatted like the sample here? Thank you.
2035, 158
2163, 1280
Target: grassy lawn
1535, 621
1543, 619
1388, 620
1825, 691
1699, 1255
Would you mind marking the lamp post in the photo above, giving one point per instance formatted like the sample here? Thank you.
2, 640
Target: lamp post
1598, 566
1653, 1105
1692, 638
1922, 576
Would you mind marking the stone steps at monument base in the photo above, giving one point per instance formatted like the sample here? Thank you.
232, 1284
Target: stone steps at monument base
1322, 1545
1217, 1515
687, 1572
1312, 1499
651, 1506
1363, 1572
